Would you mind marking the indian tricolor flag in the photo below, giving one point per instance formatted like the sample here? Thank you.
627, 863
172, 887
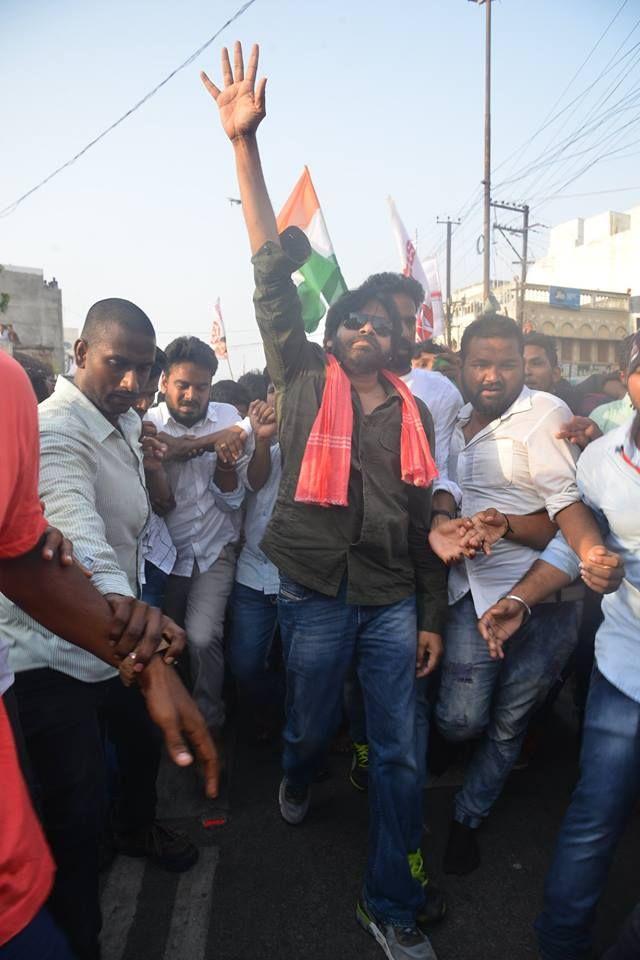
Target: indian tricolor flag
320, 282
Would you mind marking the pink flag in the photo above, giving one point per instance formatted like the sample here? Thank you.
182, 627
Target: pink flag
218, 335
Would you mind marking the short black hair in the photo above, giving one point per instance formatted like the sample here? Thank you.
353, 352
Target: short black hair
228, 391
156, 370
624, 350
428, 346
391, 283
255, 384
354, 300
190, 350
489, 325
122, 313
546, 343
40, 374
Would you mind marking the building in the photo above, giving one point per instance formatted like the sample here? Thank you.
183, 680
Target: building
34, 311
586, 324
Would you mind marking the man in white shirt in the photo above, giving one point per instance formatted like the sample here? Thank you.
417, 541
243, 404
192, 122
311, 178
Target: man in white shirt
198, 498
504, 454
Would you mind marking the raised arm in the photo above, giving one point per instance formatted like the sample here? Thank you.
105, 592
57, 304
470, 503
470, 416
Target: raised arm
242, 108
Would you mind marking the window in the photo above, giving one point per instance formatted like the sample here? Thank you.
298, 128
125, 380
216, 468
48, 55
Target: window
603, 352
585, 350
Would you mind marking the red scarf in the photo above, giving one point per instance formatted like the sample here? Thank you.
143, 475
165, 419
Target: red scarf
324, 473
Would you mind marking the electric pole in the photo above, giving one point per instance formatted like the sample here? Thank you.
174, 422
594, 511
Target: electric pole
449, 223
486, 183
522, 257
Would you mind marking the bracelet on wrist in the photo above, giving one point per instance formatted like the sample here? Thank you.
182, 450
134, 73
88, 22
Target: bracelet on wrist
527, 608
509, 527
443, 513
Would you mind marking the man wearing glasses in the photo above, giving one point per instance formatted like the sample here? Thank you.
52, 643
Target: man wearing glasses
358, 581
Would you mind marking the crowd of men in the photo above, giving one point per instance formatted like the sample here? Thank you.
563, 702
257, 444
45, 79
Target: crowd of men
418, 527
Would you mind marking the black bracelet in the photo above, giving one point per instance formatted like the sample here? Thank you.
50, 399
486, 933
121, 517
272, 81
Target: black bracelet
443, 513
508, 530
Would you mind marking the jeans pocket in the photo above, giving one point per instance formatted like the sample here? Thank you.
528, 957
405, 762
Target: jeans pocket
291, 591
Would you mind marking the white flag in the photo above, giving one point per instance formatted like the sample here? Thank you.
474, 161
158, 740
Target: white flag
427, 325
433, 279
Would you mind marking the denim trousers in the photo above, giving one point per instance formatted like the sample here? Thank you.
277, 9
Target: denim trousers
39, 940
321, 638
494, 699
155, 584
354, 705
254, 616
605, 796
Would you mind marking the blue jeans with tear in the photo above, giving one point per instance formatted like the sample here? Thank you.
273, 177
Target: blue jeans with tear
495, 699
321, 638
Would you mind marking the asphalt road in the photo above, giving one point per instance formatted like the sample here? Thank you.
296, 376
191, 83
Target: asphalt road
263, 890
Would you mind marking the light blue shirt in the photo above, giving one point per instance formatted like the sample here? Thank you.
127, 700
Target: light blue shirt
611, 487
254, 569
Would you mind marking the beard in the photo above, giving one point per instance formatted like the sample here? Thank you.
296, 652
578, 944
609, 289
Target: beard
360, 360
187, 419
491, 405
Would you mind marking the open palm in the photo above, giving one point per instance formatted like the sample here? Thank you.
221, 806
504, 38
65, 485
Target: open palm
241, 102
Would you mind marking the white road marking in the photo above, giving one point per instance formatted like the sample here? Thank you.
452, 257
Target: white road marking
187, 938
119, 904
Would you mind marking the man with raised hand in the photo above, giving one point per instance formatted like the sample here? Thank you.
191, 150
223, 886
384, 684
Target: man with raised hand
349, 533
60, 597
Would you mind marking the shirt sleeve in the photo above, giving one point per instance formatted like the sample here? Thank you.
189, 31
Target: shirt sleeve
430, 571
21, 517
279, 311
231, 500
552, 462
444, 419
68, 472
559, 554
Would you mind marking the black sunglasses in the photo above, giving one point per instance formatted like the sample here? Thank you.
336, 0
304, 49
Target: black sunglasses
381, 325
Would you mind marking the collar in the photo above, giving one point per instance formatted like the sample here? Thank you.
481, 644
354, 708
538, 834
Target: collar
211, 416
67, 392
628, 447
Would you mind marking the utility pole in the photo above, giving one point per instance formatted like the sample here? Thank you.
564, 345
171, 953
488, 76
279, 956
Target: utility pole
449, 223
486, 273
522, 257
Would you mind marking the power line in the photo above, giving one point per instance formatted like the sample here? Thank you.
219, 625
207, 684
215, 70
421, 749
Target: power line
16, 203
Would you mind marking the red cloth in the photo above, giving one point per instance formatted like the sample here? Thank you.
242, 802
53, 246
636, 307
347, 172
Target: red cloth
324, 472
21, 520
26, 867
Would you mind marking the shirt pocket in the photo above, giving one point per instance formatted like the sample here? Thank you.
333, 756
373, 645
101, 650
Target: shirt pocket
490, 463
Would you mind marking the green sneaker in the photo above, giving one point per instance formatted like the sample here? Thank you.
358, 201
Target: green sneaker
359, 773
435, 905
399, 943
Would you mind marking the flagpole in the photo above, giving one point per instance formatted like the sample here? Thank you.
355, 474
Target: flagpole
486, 277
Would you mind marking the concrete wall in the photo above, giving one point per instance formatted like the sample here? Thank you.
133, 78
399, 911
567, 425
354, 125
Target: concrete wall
35, 310
598, 253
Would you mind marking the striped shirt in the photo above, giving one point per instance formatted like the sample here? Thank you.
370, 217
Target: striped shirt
93, 488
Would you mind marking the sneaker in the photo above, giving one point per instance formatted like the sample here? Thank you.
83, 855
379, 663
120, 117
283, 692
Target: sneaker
164, 847
435, 905
294, 802
359, 773
399, 943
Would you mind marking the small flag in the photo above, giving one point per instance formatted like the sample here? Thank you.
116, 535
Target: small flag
435, 292
218, 335
427, 324
320, 281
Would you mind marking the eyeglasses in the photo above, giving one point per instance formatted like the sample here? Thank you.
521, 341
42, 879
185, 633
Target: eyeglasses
381, 325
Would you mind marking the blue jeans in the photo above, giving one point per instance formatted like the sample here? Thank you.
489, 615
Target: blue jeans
155, 584
494, 699
358, 724
254, 620
40, 939
321, 637
606, 793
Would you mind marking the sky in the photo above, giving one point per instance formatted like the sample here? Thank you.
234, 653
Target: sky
377, 98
